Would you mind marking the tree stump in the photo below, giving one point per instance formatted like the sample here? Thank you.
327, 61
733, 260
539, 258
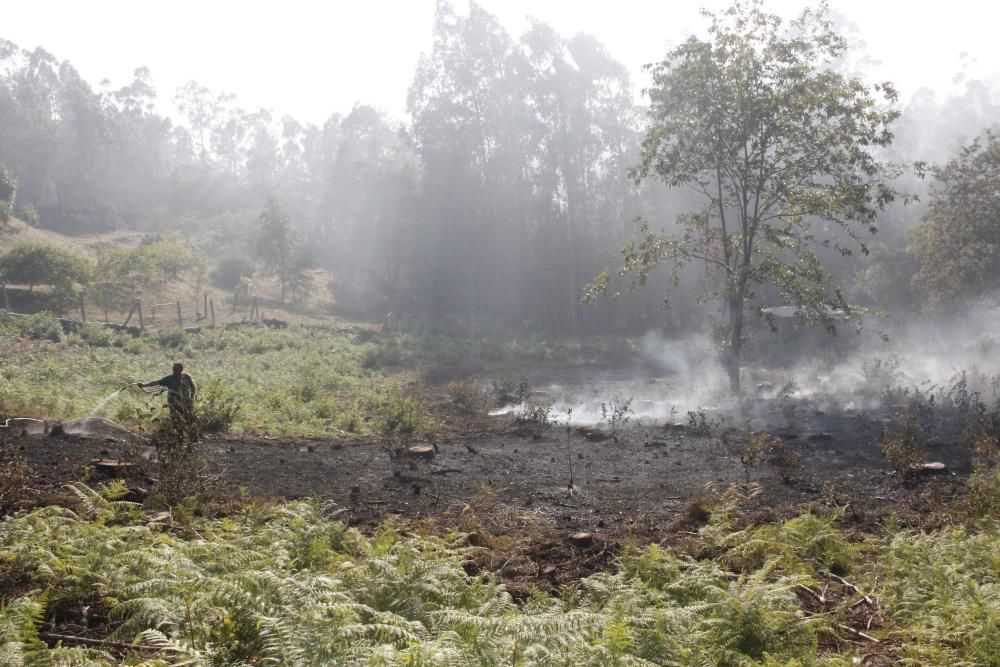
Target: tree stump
421, 451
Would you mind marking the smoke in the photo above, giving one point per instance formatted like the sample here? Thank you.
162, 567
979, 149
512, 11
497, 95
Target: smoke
672, 377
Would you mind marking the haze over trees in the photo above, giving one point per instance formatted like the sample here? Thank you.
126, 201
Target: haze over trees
506, 188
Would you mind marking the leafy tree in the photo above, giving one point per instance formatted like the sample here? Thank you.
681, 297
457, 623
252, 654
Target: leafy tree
8, 190
278, 247
31, 264
780, 149
958, 242
8, 186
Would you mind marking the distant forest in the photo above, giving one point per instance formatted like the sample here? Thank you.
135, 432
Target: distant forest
499, 196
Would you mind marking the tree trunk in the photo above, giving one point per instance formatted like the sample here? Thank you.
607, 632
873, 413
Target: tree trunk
735, 352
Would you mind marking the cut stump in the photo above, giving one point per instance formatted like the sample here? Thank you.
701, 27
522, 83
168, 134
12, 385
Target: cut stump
421, 451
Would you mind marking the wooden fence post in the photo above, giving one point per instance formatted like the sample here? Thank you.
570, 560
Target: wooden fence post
6, 299
204, 310
138, 306
83, 306
129, 316
180, 322
211, 308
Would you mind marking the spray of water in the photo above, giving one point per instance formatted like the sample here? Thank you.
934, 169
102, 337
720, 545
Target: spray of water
107, 399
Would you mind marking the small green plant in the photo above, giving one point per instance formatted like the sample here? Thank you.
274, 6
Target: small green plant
536, 413
171, 338
468, 397
616, 414
902, 442
40, 326
751, 449
881, 375
217, 407
399, 413
28, 214
785, 455
509, 388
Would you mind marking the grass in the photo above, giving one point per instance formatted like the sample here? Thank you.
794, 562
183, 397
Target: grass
305, 380
300, 380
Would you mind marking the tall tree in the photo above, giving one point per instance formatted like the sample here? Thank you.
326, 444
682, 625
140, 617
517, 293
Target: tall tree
278, 246
958, 243
782, 151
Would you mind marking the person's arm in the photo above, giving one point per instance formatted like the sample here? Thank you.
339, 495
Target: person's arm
154, 383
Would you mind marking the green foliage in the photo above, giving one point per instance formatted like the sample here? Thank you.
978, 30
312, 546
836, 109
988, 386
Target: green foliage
28, 214
8, 186
943, 591
230, 269
171, 338
902, 443
398, 412
958, 243
32, 263
217, 408
281, 252
287, 584
616, 413
756, 122
39, 326
298, 380
468, 397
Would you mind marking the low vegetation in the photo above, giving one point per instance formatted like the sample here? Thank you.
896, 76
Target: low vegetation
299, 380
291, 585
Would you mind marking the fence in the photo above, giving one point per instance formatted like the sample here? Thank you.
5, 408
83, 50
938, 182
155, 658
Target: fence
151, 316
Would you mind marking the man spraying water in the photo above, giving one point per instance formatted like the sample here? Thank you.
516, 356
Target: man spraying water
180, 396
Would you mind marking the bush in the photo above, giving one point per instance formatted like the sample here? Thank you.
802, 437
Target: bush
398, 413
40, 326
230, 270
4, 214
8, 186
28, 214
172, 337
468, 397
31, 264
217, 408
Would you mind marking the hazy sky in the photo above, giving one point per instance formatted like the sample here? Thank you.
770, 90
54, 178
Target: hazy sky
310, 59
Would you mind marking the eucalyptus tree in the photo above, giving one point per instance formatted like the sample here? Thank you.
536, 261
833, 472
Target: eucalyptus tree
783, 153
462, 101
582, 135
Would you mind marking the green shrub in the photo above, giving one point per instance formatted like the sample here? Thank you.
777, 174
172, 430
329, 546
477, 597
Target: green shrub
171, 338
28, 214
218, 407
97, 336
40, 326
399, 413
230, 270
468, 397
8, 186
31, 263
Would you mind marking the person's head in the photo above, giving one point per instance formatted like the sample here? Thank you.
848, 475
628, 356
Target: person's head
178, 368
